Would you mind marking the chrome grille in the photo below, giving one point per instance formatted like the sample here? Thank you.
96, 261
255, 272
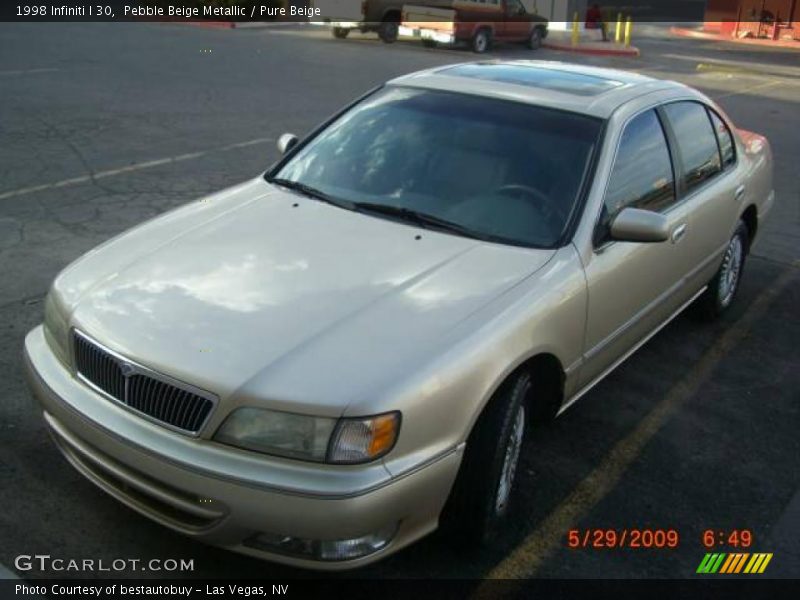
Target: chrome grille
140, 389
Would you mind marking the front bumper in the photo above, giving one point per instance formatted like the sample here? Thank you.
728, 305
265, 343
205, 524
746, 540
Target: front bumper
225, 496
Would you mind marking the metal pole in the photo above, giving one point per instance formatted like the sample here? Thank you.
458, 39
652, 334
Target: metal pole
575, 32
628, 26
738, 20
618, 31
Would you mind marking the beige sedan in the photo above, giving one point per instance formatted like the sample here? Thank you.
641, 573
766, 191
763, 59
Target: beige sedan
321, 365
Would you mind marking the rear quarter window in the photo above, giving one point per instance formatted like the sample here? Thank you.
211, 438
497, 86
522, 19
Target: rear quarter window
725, 138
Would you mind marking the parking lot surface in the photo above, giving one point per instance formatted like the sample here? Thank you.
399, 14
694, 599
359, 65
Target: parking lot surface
105, 125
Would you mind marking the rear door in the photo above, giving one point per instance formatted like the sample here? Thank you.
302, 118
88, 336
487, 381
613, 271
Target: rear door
706, 158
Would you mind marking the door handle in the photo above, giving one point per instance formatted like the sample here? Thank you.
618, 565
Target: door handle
678, 233
737, 195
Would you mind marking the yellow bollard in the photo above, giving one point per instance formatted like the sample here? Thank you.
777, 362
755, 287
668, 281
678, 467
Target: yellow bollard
618, 30
575, 31
628, 26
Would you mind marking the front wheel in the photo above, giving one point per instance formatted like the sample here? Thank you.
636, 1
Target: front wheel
723, 287
481, 41
483, 491
340, 33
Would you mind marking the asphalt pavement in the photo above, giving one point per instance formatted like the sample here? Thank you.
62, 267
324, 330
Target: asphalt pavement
105, 125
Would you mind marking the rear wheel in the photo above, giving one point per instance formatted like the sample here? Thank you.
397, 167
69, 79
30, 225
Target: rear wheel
481, 41
389, 31
723, 287
483, 491
535, 40
340, 32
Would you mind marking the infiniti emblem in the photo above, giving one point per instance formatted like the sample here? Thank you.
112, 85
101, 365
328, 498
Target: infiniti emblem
127, 369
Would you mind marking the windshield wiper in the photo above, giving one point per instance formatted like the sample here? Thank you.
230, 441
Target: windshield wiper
422, 219
311, 192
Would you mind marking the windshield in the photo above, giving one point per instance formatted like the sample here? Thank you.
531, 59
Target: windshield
507, 171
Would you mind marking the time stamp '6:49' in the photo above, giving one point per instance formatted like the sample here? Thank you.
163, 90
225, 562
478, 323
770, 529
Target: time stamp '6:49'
45, 10
609, 538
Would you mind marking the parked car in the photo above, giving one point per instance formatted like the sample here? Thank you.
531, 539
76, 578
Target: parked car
379, 16
320, 365
478, 23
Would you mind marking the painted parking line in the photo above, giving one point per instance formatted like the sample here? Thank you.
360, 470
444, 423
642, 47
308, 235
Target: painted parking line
744, 91
761, 69
149, 164
6, 573
528, 556
27, 72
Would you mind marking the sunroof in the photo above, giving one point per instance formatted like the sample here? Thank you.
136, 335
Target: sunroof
531, 76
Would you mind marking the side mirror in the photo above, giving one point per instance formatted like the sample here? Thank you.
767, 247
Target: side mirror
286, 142
636, 225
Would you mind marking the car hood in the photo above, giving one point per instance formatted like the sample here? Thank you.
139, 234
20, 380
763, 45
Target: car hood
269, 297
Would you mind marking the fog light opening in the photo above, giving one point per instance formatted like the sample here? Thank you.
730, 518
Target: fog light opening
328, 550
356, 547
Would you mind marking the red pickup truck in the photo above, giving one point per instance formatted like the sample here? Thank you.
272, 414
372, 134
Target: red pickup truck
478, 22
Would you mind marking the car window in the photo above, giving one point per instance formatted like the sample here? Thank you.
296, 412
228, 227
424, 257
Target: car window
514, 7
696, 141
642, 173
725, 138
508, 171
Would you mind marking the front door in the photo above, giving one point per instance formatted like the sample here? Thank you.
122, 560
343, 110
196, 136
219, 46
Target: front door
633, 287
516, 23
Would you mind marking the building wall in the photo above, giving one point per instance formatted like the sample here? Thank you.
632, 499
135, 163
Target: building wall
721, 15
559, 12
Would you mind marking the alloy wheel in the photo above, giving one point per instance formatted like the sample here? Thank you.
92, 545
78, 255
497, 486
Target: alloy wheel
510, 461
730, 271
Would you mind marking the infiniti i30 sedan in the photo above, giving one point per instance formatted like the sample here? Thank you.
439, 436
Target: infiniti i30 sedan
322, 364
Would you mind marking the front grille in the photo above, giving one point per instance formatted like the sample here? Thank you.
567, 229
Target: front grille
99, 367
137, 388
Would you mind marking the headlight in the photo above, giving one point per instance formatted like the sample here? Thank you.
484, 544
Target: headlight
310, 438
272, 432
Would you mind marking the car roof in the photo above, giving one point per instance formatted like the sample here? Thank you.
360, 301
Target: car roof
583, 89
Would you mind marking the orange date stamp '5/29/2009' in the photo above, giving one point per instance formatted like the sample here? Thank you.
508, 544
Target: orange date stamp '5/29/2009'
607, 538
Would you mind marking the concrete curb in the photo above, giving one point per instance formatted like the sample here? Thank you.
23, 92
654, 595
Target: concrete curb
693, 33
567, 47
240, 24
271, 24
705, 35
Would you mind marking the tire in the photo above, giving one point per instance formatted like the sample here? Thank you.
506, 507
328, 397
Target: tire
483, 491
535, 40
481, 41
340, 32
389, 31
429, 43
722, 288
